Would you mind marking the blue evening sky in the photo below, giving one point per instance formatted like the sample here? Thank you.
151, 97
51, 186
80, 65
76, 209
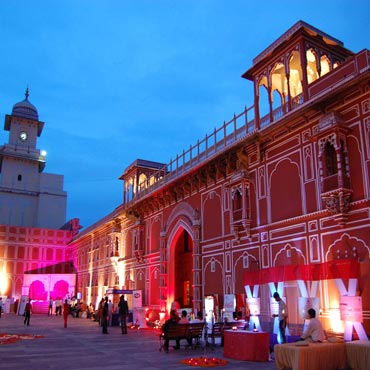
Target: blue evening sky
117, 80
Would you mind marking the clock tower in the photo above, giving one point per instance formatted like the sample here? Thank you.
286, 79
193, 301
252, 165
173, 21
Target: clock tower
28, 196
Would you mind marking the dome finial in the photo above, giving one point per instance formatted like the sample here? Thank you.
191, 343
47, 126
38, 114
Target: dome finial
25, 109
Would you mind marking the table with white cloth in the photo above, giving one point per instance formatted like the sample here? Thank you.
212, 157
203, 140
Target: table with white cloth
310, 356
246, 345
358, 354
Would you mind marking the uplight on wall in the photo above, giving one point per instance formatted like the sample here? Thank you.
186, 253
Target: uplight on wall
3, 283
335, 322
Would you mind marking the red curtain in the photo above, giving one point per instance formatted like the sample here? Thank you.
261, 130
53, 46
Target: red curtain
338, 269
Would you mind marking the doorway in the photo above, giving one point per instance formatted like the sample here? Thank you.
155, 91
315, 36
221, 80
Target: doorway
183, 269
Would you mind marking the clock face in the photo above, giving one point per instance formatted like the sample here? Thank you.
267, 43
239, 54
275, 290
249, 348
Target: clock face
23, 135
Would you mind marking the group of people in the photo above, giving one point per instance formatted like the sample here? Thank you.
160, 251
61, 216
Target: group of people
76, 307
313, 332
105, 310
175, 320
58, 303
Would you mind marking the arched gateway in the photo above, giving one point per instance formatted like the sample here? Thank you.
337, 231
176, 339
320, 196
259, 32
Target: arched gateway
180, 261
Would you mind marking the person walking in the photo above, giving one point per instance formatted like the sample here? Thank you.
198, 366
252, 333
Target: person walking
66, 312
27, 313
104, 318
282, 315
50, 309
123, 312
100, 311
110, 312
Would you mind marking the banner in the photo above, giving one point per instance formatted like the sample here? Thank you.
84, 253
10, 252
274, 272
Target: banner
338, 269
351, 309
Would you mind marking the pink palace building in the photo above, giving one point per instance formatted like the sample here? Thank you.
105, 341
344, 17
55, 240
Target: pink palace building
276, 199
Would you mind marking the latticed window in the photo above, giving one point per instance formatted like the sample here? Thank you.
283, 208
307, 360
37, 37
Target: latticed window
343, 157
330, 160
237, 203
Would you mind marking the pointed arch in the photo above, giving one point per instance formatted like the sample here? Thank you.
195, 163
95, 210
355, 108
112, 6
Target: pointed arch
325, 65
180, 237
240, 267
214, 283
347, 246
312, 64
263, 101
295, 74
286, 197
154, 281
289, 255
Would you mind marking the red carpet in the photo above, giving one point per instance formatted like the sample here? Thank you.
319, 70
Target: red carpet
204, 361
13, 338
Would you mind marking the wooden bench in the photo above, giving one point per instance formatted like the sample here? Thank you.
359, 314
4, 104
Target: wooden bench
191, 332
219, 327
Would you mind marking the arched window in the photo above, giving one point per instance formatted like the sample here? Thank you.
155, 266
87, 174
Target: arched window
312, 73
279, 86
295, 78
324, 65
142, 182
263, 101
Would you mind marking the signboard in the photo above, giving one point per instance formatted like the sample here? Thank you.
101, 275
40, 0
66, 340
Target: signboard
305, 303
137, 299
22, 304
229, 307
118, 291
209, 306
351, 308
229, 302
254, 305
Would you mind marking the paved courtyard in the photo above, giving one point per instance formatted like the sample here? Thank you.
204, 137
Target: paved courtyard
82, 346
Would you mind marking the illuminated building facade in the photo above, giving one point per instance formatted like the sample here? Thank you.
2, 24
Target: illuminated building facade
34, 235
281, 188
275, 199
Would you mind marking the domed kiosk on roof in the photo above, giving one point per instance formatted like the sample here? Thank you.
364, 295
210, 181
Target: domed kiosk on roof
25, 109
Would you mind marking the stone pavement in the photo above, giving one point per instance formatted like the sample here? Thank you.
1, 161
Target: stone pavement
82, 346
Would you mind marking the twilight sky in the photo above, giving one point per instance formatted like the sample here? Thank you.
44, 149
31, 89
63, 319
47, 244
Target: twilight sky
117, 80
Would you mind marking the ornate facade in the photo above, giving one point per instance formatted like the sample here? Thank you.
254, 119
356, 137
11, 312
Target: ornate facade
274, 199
285, 183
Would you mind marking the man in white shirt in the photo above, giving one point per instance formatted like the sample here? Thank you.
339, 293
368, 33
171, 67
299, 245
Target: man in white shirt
314, 331
184, 317
282, 315
199, 318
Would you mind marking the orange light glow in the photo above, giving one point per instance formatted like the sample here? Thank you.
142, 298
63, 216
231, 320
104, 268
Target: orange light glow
3, 283
336, 323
